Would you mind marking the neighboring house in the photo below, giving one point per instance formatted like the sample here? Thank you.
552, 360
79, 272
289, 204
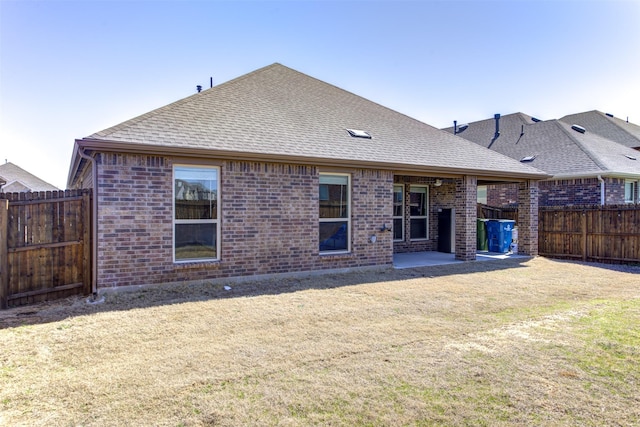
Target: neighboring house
14, 179
608, 126
586, 168
277, 172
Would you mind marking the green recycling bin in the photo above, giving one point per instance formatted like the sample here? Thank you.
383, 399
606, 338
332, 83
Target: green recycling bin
482, 240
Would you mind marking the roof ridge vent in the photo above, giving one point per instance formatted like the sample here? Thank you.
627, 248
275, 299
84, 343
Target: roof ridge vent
578, 128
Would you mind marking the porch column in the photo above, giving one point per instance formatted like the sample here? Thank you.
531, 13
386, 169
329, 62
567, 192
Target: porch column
528, 218
466, 213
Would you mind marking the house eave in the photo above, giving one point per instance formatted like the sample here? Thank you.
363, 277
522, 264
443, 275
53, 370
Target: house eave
100, 145
604, 174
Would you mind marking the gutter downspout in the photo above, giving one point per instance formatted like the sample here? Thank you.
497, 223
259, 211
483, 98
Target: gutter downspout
94, 221
602, 188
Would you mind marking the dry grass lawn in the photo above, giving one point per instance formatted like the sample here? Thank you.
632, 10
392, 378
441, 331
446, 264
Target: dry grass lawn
517, 342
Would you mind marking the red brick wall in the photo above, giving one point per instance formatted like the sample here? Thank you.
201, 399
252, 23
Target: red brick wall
614, 191
567, 192
504, 195
269, 221
528, 218
466, 213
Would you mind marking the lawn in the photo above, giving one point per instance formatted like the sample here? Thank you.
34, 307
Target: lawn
516, 342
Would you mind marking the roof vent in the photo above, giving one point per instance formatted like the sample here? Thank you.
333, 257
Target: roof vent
462, 127
628, 156
608, 114
528, 158
356, 133
578, 128
535, 119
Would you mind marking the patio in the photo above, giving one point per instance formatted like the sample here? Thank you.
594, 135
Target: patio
431, 258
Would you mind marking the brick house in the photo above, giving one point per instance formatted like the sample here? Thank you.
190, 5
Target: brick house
276, 172
587, 168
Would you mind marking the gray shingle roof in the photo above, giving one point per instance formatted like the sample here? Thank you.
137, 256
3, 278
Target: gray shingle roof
558, 149
609, 127
19, 179
277, 111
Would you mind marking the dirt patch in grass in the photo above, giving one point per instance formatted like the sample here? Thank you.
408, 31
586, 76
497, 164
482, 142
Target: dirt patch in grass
533, 342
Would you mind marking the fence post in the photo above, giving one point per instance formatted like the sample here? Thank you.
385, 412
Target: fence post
584, 235
4, 261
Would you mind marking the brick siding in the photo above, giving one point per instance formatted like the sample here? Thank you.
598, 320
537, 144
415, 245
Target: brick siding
528, 218
567, 192
503, 195
466, 212
269, 221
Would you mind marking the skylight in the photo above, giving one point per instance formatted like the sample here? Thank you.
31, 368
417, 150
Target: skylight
528, 158
578, 128
356, 133
628, 156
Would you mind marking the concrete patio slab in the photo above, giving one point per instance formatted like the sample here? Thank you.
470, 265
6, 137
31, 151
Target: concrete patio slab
431, 258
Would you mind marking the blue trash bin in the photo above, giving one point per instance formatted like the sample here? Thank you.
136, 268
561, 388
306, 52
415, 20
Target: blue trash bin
499, 233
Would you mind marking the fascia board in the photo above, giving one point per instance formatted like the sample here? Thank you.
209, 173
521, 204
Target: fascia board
124, 147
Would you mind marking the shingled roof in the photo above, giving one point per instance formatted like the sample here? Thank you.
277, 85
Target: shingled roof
17, 179
608, 126
279, 114
554, 147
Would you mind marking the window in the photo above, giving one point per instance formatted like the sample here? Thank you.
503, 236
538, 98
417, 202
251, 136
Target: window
630, 190
335, 215
482, 194
196, 204
418, 211
398, 212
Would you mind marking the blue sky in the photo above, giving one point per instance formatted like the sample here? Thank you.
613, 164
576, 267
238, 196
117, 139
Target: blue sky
69, 69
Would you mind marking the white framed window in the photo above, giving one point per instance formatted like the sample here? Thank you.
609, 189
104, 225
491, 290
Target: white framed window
419, 212
482, 194
630, 191
334, 228
398, 213
196, 213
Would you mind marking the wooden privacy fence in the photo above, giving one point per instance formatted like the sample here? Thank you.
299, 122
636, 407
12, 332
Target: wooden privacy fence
45, 246
490, 212
595, 233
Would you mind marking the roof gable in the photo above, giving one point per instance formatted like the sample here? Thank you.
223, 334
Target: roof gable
277, 112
